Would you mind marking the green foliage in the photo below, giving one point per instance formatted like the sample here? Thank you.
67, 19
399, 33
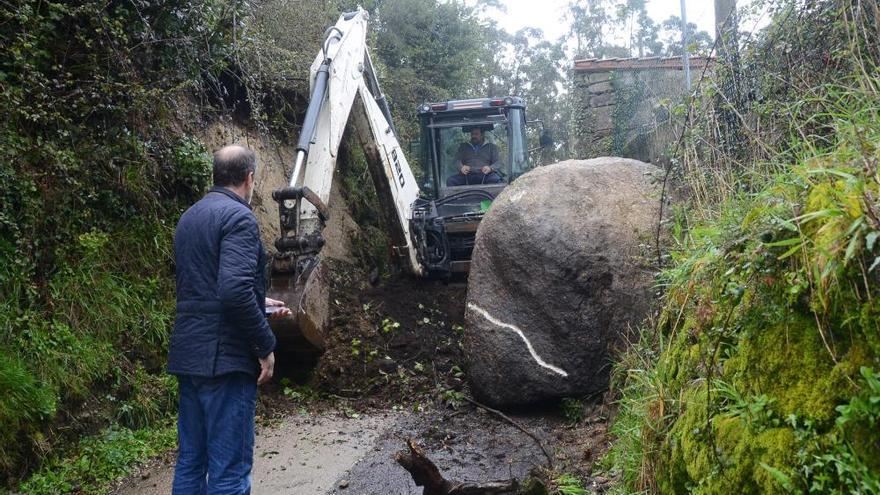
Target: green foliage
149, 398
750, 352
371, 246
389, 325
567, 484
272, 61
747, 393
26, 402
432, 51
699, 42
100, 460
96, 168
299, 393
552, 483
850, 464
190, 170
755, 411
627, 95
641, 414
758, 375
435, 45
109, 320
535, 71
595, 22
590, 27
453, 398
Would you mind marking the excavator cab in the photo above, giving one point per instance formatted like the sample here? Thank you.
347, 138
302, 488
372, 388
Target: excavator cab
446, 217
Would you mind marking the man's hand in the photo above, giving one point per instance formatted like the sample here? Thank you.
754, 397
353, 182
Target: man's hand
281, 313
465, 169
486, 170
267, 368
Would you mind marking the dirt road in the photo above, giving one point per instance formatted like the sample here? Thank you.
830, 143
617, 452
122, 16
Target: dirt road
299, 454
330, 453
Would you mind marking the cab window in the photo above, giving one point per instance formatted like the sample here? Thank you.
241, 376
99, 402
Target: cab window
451, 140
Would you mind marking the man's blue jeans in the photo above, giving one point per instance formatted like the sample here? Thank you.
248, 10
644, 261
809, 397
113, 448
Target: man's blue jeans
215, 430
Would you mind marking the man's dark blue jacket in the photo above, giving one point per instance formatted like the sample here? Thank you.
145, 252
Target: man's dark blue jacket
221, 325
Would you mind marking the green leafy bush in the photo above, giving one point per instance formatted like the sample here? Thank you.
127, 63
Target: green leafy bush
765, 329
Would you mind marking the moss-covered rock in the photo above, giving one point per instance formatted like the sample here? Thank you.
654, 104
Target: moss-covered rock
789, 362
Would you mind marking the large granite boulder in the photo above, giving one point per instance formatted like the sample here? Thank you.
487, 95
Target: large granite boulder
562, 273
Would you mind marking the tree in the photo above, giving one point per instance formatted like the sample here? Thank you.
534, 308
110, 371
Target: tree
589, 21
700, 42
426, 50
641, 31
437, 43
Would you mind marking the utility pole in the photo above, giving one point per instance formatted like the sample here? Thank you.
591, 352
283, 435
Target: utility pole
685, 56
731, 93
725, 27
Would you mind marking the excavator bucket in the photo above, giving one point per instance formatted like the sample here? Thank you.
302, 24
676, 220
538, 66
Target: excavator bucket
307, 293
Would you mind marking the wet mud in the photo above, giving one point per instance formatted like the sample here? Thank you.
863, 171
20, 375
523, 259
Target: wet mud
465, 447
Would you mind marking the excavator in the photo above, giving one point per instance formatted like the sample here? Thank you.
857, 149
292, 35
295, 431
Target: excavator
432, 225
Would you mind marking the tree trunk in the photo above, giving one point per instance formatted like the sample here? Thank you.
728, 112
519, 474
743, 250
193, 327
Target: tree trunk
425, 473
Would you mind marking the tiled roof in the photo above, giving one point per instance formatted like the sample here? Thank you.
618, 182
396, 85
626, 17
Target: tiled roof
609, 64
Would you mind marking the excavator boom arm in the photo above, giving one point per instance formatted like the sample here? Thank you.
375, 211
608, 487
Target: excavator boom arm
344, 92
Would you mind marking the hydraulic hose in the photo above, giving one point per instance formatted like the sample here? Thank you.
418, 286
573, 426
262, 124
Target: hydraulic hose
373, 86
315, 101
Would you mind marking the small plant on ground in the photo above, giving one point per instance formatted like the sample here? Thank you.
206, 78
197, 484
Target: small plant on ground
567, 484
299, 393
572, 410
453, 398
389, 325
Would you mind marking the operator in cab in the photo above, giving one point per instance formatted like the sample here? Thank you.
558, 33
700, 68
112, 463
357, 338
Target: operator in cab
477, 162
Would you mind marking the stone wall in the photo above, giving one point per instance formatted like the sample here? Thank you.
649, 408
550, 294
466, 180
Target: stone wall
626, 111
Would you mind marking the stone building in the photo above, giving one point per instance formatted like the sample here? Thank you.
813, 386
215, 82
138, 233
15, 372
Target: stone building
626, 107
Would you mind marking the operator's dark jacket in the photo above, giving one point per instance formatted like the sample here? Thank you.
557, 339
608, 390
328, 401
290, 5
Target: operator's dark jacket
221, 325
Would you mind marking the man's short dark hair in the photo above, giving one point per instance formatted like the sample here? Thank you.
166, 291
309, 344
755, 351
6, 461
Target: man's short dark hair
232, 165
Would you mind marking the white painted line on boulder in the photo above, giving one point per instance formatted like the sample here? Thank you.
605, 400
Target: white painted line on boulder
519, 332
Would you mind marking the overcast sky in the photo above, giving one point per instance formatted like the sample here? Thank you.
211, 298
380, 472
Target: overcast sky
546, 14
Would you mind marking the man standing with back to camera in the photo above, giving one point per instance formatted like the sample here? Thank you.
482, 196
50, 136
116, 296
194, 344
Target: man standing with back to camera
222, 346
